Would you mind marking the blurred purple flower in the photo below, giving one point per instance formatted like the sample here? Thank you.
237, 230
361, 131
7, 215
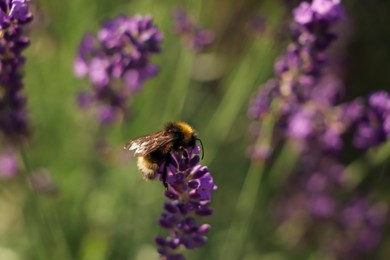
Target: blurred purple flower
301, 124
325, 7
362, 223
355, 223
372, 127
261, 103
194, 37
321, 206
117, 63
303, 14
14, 15
328, 9
9, 165
305, 102
189, 187
308, 102
301, 95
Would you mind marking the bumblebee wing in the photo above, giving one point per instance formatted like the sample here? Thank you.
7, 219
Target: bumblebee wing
148, 143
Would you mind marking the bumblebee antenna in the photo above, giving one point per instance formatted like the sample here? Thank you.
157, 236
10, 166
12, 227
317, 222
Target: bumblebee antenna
201, 144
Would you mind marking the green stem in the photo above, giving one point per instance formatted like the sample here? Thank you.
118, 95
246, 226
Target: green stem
240, 86
249, 193
43, 223
238, 231
179, 89
31, 213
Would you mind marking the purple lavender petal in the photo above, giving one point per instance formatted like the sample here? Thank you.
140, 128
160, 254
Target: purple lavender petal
303, 14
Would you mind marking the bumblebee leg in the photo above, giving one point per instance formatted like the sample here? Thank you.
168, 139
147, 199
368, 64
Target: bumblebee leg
183, 152
164, 175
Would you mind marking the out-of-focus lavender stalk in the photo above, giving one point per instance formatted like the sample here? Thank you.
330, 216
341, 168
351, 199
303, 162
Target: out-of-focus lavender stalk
319, 196
189, 187
116, 61
309, 110
14, 16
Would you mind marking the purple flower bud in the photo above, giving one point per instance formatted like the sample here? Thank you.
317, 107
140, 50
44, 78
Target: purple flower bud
303, 14
316, 183
372, 127
171, 208
321, 206
204, 229
300, 125
380, 100
328, 9
172, 194
160, 241
204, 211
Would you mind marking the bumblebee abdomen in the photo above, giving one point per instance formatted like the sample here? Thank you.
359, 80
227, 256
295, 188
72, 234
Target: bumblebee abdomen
147, 167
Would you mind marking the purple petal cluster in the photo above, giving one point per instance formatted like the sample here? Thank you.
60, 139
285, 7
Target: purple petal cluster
189, 187
14, 15
305, 104
311, 190
319, 195
373, 125
318, 11
308, 102
194, 37
301, 95
116, 62
362, 222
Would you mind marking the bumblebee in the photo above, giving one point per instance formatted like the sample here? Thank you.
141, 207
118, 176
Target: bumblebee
153, 149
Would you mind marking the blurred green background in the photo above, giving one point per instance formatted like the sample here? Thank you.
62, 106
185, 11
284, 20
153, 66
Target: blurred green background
103, 209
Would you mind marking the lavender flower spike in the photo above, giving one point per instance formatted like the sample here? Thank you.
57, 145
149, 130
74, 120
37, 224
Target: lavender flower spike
14, 15
189, 193
117, 63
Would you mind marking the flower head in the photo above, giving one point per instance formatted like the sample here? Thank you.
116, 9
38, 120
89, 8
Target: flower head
14, 14
318, 10
373, 125
189, 187
304, 105
117, 62
301, 97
